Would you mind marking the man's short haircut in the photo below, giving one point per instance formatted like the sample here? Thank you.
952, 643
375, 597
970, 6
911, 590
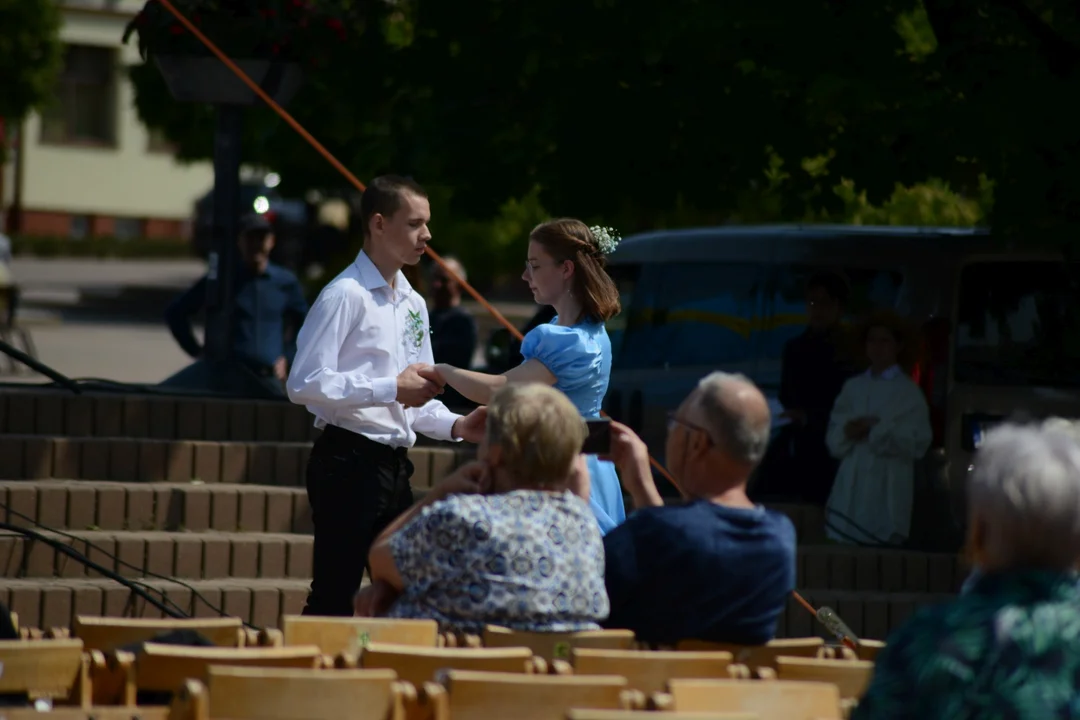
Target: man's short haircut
383, 197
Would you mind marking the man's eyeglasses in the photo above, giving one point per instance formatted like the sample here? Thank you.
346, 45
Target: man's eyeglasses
673, 419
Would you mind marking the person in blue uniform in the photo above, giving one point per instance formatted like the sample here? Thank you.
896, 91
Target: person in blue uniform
268, 309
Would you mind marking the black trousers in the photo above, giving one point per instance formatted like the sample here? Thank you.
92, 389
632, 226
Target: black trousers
356, 487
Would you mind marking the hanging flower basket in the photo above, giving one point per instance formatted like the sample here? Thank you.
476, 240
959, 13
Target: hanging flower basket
191, 78
271, 40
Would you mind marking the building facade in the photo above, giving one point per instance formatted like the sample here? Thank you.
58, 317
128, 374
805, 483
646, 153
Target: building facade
87, 166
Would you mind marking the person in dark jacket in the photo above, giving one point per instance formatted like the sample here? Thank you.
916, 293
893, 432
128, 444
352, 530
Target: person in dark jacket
815, 366
269, 307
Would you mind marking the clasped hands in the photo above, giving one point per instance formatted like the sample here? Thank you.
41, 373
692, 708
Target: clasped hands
419, 383
859, 428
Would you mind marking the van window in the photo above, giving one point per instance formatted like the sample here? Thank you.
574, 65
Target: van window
625, 277
691, 314
870, 288
1017, 324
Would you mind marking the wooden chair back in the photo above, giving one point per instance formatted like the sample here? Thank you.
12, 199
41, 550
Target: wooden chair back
558, 646
760, 655
94, 713
640, 715
869, 649
251, 693
105, 633
470, 695
649, 670
339, 635
164, 668
851, 677
418, 665
769, 699
45, 669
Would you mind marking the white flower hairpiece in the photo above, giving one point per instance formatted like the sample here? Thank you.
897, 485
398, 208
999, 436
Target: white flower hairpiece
606, 238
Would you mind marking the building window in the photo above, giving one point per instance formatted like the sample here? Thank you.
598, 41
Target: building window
80, 227
84, 111
127, 228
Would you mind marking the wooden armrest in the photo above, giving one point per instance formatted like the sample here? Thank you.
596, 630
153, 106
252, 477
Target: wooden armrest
738, 671
536, 665
661, 702
561, 667
191, 703
765, 673
632, 700
434, 703
346, 661
271, 637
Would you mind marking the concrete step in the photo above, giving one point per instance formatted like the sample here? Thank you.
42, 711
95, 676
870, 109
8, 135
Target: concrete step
103, 505
55, 602
125, 459
844, 568
52, 412
869, 615
181, 555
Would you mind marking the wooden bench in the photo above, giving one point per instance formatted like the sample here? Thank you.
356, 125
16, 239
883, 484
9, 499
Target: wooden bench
558, 646
771, 700
418, 665
46, 669
164, 668
335, 636
470, 695
851, 677
250, 693
648, 671
754, 656
102, 633
653, 715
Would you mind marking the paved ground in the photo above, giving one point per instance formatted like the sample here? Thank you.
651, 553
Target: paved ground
100, 318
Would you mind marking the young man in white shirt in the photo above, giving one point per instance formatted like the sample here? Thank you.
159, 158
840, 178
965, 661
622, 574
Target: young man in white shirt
357, 369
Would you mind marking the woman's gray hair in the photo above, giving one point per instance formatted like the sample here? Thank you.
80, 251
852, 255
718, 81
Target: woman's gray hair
743, 436
1025, 485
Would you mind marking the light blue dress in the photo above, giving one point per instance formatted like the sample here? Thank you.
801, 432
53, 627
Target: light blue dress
580, 359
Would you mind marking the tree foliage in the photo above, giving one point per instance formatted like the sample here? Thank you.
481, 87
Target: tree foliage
621, 111
31, 55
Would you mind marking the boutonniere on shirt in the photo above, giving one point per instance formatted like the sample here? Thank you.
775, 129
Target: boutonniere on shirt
414, 329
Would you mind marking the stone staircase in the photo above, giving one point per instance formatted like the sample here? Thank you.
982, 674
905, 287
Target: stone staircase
203, 500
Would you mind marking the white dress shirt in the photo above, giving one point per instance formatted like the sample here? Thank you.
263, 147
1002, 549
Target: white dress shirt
357, 337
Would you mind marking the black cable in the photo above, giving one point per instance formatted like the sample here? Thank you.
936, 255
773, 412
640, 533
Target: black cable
195, 593
38, 367
75, 554
85, 560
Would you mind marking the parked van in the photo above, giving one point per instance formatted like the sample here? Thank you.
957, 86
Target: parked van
1000, 324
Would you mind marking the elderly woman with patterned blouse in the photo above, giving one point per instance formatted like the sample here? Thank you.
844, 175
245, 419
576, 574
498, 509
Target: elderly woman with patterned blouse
1009, 647
503, 540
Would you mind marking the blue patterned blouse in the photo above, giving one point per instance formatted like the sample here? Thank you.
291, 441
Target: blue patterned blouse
526, 560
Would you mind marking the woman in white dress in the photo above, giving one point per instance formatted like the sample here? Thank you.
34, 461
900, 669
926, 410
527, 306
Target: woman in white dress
879, 427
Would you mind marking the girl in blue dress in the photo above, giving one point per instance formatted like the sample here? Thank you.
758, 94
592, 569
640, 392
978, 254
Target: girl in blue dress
565, 269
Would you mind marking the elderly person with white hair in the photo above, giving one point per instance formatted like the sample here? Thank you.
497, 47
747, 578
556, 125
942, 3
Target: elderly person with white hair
1010, 646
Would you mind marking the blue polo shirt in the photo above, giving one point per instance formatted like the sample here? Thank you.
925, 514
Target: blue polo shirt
700, 571
264, 305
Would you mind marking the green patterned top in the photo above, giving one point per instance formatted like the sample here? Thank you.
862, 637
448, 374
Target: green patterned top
1009, 649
